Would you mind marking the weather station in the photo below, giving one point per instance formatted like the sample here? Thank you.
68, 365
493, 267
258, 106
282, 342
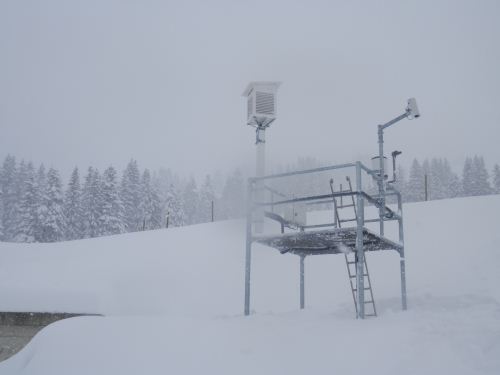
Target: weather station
352, 219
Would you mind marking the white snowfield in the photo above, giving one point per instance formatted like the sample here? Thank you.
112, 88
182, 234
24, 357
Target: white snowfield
173, 302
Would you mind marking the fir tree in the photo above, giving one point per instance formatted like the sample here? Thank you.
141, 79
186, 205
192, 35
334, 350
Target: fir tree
233, 196
206, 199
415, 190
468, 184
496, 179
73, 208
482, 177
28, 208
9, 197
130, 194
111, 219
42, 204
151, 205
190, 199
174, 207
92, 203
54, 224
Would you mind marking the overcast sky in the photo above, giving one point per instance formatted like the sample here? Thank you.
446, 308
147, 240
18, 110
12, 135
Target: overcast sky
96, 82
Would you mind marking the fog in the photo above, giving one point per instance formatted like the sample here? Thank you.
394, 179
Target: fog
98, 82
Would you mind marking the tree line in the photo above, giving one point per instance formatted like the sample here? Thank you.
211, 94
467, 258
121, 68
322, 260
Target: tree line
434, 179
35, 205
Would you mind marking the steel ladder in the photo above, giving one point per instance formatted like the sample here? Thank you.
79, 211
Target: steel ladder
350, 257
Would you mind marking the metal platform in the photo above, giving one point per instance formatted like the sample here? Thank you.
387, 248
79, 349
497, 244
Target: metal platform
330, 241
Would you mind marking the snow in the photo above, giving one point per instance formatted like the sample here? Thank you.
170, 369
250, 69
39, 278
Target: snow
173, 301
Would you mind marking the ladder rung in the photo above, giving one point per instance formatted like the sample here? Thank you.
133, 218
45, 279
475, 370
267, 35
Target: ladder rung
353, 276
348, 220
370, 315
346, 205
371, 301
351, 262
356, 289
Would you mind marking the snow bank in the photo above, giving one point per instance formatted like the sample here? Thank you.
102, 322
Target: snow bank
173, 301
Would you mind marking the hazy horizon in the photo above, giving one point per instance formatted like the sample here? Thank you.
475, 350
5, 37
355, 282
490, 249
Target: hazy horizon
100, 82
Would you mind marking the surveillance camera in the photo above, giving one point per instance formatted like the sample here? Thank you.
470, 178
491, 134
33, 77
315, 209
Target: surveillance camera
412, 109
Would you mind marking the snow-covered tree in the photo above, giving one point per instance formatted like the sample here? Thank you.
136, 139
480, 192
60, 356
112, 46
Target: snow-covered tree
8, 181
42, 203
468, 177
416, 188
73, 209
174, 207
53, 224
28, 208
496, 179
482, 176
111, 218
130, 194
475, 180
206, 199
92, 203
233, 196
151, 205
190, 201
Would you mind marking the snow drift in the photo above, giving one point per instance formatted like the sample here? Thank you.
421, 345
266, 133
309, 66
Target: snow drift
173, 301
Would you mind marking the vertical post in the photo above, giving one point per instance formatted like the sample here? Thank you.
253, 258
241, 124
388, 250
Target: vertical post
426, 191
260, 164
381, 192
248, 250
212, 211
168, 216
360, 253
402, 253
302, 285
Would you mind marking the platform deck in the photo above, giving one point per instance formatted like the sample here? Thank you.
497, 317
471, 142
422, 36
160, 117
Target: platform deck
330, 241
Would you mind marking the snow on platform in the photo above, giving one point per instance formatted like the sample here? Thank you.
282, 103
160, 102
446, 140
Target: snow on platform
324, 242
173, 301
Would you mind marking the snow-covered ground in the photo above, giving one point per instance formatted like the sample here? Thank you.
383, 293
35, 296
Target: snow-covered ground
173, 302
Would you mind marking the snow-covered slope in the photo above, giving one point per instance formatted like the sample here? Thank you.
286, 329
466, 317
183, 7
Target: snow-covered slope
173, 301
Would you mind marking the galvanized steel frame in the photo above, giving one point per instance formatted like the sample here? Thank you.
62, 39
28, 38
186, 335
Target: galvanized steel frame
386, 214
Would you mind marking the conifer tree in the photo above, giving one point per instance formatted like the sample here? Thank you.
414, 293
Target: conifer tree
174, 207
92, 203
206, 199
73, 209
111, 219
496, 179
190, 200
415, 190
28, 207
151, 205
130, 194
42, 204
8, 181
468, 184
482, 184
54, 224
233, 196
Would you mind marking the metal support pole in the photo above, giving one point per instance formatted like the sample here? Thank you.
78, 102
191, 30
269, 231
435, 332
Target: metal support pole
212, 210
260, 144
248, 250
302, 285
360, 254
381, 192
402, 253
